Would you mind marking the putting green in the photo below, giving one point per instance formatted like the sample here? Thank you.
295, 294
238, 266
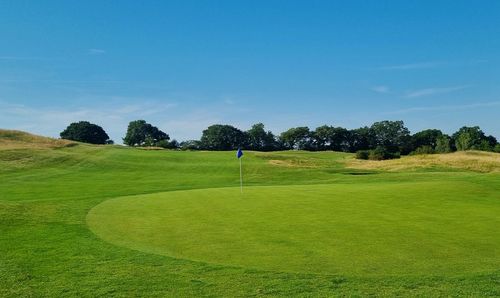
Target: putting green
378, 228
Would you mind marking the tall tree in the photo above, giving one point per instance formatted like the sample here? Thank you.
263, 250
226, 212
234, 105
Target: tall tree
86, 132
223, 137
299, 138
443, 144
392, 135
141, 133
259, 139
360, 139
426, 137
468, 138
331, 138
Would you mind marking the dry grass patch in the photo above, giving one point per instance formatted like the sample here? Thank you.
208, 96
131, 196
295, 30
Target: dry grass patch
292, 163
477, 161
14, 139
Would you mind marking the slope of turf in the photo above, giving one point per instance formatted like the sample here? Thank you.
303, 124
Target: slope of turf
50, 195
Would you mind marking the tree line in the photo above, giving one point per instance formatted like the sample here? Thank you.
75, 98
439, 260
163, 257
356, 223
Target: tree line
381, 140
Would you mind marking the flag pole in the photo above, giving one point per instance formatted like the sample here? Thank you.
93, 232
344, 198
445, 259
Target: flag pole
241, 178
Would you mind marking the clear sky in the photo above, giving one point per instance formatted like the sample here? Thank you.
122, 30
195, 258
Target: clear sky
183, 65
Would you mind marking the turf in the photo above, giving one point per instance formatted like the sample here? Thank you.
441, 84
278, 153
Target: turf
383, 228
105, 220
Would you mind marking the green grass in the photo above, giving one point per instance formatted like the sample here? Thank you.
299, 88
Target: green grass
383, 228
105, 220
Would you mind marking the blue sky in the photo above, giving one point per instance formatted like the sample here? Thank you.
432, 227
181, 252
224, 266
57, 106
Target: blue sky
183, 65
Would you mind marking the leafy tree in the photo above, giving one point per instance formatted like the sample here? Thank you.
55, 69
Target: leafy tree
223, 137
297, 138
331, 138
497, 148
392, 135
141, 133
360, 139
260, 140
86, 132
468, 138
492, 142
443, 144
426, 137
464, 141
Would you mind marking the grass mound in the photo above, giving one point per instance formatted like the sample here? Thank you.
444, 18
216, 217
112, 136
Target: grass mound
477, 161
15, 139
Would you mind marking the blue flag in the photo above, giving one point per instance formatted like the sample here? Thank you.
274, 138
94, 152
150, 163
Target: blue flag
239, 153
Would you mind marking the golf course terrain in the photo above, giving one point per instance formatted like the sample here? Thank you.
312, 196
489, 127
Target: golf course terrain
92, 220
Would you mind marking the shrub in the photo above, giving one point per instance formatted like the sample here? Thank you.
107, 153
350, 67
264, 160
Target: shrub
497, 148
362, 154
443, 144
381, 153
424, 150
168, 145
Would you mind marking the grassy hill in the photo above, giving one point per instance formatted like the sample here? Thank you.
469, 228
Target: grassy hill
78, 219
15, 139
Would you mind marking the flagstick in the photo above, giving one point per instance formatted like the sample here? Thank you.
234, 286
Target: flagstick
241, 178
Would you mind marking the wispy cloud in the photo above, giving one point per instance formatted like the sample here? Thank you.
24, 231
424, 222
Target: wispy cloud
96, 51
446, 107
380, 89
434, 91
419, 65
113, 117
114, 113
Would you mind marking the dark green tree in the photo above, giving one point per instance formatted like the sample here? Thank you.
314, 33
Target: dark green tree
223, 137
299, 138
496, 148
470, 138
443, 144
141, 133
392, 135
86, 132
260, 140
331, 138
426, 137
360, 139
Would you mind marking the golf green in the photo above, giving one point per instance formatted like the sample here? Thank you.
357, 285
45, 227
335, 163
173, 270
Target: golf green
383, 228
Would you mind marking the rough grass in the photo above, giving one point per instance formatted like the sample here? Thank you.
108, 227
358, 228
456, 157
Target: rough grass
15, 139
48, 250
478, 161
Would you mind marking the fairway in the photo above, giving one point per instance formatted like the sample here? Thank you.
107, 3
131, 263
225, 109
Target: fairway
363, 229
84, 220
